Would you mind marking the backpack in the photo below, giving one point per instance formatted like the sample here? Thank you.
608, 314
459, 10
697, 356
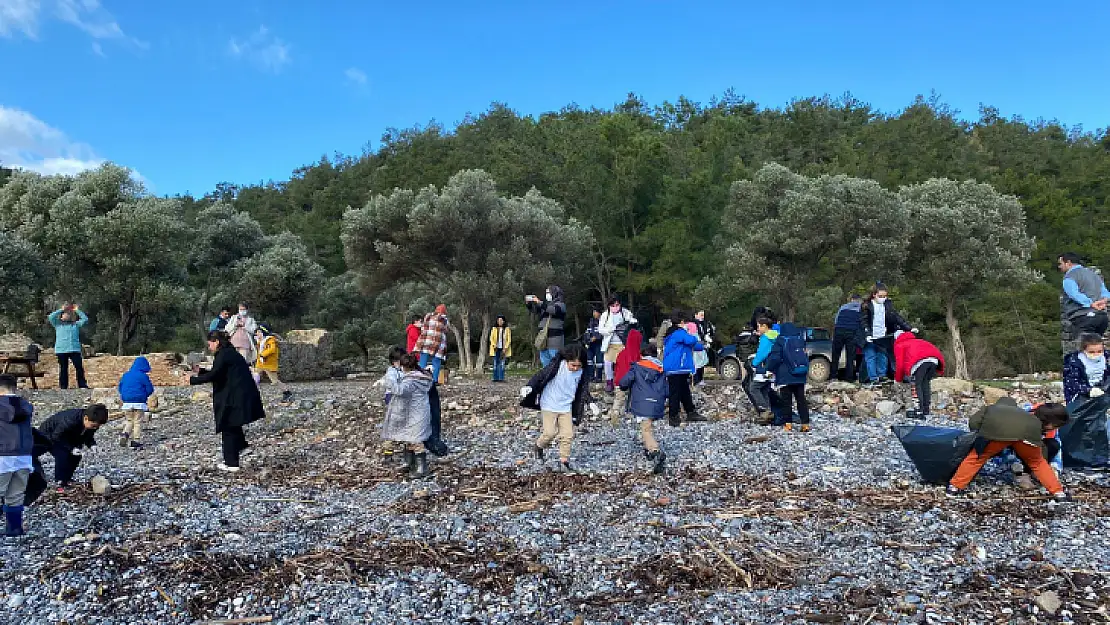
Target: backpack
794, 354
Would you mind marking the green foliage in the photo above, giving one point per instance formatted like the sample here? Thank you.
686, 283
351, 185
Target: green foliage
23, 274
281, 280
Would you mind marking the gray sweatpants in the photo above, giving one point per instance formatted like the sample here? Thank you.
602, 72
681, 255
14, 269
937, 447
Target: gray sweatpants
13, 484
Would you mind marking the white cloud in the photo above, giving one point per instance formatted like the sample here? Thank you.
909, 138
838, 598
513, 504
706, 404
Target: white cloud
87, 15
262, 49
355, 76
19, 16
97, 49
29, 143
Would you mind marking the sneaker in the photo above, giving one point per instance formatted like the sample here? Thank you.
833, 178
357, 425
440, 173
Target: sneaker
805, 428
657, 459
1061, 497
565, 465
674, 422
286, 396
124, 440
537, 453
952, 491
223, 467
695, 417
1025, 482
788, 427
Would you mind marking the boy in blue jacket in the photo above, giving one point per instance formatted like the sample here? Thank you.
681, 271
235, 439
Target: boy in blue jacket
647, 390
790, 364
678, 363
135, 389
16, 446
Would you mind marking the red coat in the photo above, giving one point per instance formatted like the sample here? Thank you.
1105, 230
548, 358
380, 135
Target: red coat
910, 350
412, 334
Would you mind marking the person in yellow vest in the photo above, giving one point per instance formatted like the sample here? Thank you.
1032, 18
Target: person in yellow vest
500, 347
269, 353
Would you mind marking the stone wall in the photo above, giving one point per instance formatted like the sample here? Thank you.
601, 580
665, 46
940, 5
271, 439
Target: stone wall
305, 356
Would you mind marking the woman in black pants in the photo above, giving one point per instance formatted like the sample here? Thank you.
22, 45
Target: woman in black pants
235, 398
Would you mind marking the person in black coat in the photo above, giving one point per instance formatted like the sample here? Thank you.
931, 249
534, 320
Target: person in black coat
236, 401
72, 434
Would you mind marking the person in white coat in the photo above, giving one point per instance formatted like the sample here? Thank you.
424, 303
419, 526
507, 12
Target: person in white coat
613, 325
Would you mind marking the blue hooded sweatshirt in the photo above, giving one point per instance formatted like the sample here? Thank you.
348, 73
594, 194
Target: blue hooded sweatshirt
678, 352
135, 386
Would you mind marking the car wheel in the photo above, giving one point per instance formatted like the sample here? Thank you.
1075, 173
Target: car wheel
820, 370
730, 369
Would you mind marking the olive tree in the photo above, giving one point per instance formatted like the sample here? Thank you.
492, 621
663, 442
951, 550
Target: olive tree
23, 274
789, 233
224, 236
281, 280
466, 241
966, 239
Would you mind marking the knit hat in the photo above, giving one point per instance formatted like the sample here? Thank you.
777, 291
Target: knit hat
441, 309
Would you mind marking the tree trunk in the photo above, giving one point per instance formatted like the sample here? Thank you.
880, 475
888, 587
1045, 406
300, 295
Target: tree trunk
467, 363
480, 357
459, 342
958, 353
203, 308
121, 335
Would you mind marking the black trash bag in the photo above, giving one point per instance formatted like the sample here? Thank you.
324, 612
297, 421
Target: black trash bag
936, 452
1083, 440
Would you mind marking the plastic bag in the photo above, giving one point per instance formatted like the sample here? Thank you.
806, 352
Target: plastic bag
1084, 442
936, 452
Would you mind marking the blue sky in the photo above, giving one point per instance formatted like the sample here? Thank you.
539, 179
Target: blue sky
192, 94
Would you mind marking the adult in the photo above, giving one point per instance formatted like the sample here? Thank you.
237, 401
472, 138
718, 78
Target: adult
593, 347
67, 322
845, 330
412, 334
240, 329
553, 316
431, 345
878, 323
236, 401
706, 332
1083, 301
614, 325
500, 347
220, 320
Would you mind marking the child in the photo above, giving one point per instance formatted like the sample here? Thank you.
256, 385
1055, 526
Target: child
628, 356
69, 431
678, 361
561, 393
761, 381
408, 416
789, 363
1085, 370
1006, 426
16, 446
268, 356
647, 390
134, 390
920, 361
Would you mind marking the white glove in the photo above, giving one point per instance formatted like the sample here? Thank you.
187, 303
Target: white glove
759, 377
1096, 392
77, 451
525, 391
595, 410
870, 339
914, 330
751, 357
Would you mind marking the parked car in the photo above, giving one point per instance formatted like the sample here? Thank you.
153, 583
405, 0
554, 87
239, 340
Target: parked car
731, 358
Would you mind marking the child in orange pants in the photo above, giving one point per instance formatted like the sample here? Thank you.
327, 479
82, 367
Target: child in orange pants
1006, 426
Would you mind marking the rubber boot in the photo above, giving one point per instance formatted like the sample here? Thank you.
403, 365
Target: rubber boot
420, 471
408, 459
13, 517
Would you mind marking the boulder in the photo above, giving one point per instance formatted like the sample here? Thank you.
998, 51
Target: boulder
101, 485
305, 356
992, 394
865, 398
838, 386
887, 408
953, 385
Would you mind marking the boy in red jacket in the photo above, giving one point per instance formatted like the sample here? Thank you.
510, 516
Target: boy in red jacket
919, 360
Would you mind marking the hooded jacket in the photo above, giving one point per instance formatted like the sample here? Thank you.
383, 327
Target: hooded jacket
647, 389
16, 437
678, 352
894, 321
135, 386
609, 322
910, 350
408, 418
412, 334
67, 334
543, 377
556, 311
269, 353
766, 342
776, 360
847, 317
629, 355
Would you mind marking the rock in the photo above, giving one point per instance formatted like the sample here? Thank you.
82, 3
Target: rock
201, 396
953, 385
306, 355
864, 398
992, 394
838, 386
887, 408
16, 601
306, 404
101, 485
1049, 601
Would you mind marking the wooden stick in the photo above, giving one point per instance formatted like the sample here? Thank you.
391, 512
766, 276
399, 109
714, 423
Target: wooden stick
241, 621
168, 599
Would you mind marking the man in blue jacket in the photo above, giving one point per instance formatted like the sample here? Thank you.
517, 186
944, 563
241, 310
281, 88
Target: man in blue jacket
67, 322
845, 327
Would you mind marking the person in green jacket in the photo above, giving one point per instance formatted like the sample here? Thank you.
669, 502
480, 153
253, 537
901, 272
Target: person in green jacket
67, 322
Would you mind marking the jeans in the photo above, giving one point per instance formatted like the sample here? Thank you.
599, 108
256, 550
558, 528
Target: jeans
597, 365
547, 355
761, 393
844, 340
499, 365
789, 394
78, 368
877, 362
234, 442
437, 363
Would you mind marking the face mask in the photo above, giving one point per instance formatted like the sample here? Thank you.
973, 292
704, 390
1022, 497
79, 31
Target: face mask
547, 296
242, 313
880, 300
